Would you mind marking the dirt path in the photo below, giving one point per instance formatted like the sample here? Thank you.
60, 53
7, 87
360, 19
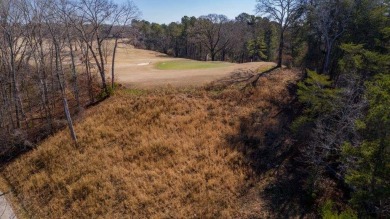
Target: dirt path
136, 68
6, 211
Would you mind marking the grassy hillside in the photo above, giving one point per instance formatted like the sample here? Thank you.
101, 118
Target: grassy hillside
156, 154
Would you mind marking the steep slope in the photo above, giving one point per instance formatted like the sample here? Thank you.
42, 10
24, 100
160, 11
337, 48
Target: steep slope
152, 154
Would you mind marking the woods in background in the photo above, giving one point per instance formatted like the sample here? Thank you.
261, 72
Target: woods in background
212, 37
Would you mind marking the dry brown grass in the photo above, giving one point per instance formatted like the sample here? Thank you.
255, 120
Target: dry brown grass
148, 154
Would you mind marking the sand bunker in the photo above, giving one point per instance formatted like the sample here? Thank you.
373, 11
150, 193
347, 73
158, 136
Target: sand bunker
143, 64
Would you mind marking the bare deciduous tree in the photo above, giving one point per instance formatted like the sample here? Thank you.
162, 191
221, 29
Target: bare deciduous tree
329, 17
284, 12
58, 38
13, 50
95, 21
124, 15
211, 33
48, 48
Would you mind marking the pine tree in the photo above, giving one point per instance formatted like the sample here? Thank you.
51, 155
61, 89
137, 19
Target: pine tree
369, 169
257, 49
318, 96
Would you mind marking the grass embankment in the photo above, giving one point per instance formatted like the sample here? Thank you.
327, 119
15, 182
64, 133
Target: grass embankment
189, 64
152, 154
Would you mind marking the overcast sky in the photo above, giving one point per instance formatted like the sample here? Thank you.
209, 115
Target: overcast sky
166, 11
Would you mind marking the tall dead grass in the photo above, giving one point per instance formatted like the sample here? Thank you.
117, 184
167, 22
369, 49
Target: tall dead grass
155, 154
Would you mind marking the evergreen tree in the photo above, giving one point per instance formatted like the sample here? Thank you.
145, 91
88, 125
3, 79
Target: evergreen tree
369, 163
257, 49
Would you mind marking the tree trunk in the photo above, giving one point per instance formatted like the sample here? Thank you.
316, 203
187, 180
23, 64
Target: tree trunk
113, 64
64, 100
74, 75
326, 63
281, 45
85, 52
176, 48
186, 48
46, 105
213, 54
42, 79
99, 64
14, 84
102, 69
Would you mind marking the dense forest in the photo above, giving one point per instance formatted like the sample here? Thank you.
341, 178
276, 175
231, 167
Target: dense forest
212, 37
55, 53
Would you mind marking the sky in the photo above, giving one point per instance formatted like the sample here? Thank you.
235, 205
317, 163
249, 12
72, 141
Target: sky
167, 11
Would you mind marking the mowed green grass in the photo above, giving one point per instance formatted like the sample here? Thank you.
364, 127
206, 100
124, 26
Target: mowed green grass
187, 65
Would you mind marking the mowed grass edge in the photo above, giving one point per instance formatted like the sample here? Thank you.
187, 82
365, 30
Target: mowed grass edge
189, 64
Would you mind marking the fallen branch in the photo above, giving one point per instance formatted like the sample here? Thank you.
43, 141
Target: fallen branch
258, 76
4, 193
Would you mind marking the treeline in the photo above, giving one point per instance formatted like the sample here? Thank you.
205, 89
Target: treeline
343, 128
54, 60
212, 37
